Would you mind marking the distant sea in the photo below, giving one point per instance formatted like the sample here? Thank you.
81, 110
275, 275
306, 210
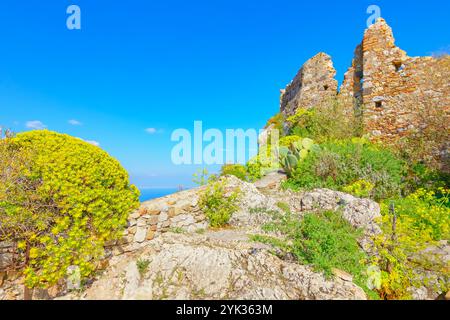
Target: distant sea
149, 194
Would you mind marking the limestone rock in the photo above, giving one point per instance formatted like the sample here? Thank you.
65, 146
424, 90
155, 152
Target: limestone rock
140, 235
360, 213
213, 267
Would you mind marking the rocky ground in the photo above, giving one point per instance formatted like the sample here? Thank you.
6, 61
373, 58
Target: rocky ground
216, 265
226, 264
168, 251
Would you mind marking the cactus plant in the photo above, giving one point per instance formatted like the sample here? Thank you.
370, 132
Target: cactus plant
289, 163
307, 143
298, 151
283, 151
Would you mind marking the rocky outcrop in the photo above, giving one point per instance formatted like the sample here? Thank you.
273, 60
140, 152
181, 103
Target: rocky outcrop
216, 265
168, 251
189, 262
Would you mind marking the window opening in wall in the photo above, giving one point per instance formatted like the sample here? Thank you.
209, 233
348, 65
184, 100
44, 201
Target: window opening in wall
398, 66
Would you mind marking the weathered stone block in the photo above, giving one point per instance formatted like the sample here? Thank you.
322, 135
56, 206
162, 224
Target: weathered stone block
140, 235
150, 235
153, 220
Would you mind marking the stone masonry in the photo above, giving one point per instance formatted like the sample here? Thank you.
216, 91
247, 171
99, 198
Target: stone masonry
312, 84
176, 212
393, 92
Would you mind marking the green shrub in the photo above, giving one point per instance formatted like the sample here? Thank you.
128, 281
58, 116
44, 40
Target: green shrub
142, 266
421, 176
339, 164
237, 170
323, 240
262, 164
410, 225
217, 204
299, 150
287, 141
360, 188
329, 120
69, 201
202, 176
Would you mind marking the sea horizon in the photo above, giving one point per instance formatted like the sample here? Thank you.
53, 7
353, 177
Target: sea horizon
151, 193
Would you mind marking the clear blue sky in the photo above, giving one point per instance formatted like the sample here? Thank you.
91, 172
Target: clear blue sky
162, 64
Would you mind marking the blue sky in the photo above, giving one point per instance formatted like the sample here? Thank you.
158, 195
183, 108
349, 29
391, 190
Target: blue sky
164, 64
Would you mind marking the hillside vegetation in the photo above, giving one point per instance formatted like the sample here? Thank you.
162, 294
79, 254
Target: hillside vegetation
412, 191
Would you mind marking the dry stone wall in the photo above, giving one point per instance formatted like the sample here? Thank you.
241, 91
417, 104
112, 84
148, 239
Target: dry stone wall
176, 212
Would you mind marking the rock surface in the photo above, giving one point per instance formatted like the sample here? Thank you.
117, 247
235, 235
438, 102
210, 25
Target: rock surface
216, 265
186, 260
226, 264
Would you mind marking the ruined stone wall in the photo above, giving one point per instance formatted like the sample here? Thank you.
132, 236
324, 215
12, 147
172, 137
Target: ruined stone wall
394, 94
177, 212
313, 84
395, 91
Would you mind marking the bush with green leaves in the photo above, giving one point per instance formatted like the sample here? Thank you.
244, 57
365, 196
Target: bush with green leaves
329, 120
324, 240
420, 176
218, 203
340, 164
276, 122
70, 199
255, 168
411, 225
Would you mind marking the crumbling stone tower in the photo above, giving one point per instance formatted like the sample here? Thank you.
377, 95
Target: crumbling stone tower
393, 92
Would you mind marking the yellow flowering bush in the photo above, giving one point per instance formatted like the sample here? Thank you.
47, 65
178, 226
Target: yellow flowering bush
330, 119
75, 198
410, 226
288, 140
299, 114
360, 188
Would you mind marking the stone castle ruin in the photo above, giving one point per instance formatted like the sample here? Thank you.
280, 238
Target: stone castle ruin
393, 91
